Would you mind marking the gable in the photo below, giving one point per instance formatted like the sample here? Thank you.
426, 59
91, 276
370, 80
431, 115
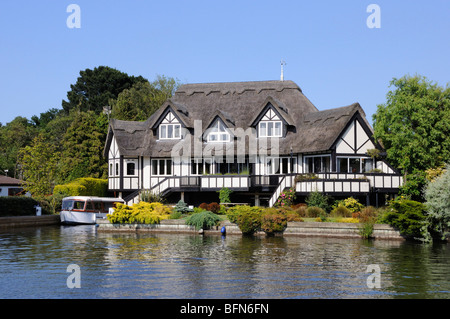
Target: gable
170, 119
355, 139
217, 131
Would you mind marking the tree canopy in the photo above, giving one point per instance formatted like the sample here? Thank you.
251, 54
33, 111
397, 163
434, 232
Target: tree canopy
142, 99
413, 124
61, 145
94, 88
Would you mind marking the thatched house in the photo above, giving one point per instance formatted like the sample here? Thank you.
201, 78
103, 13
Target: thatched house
255, 138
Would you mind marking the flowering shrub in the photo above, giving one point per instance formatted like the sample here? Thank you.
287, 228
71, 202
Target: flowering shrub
286, 198
353, 205
141, 213
273, 220
248, 218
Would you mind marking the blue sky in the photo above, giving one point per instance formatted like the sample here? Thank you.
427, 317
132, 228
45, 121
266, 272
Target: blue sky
330, 51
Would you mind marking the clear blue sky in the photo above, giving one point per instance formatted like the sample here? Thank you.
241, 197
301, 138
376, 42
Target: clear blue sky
329, 49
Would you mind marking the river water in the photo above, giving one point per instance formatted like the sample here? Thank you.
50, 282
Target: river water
34, 264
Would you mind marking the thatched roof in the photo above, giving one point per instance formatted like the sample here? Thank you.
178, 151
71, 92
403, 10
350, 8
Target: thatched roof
238, 104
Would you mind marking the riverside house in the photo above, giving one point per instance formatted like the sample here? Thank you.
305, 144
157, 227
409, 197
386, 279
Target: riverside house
255, 138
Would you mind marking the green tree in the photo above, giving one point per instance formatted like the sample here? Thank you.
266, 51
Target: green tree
45, 118
82, 148
14, 136
39, 166
94, 89
413, 128
437, 195
140, 101
413, 124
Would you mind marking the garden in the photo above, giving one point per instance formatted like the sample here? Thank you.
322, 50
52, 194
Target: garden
414, 220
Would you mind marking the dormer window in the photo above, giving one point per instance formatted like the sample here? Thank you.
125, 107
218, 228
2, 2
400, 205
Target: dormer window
218, 132
170, 128
270, 125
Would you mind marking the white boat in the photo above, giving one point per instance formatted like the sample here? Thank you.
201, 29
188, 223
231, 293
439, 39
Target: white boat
86, 209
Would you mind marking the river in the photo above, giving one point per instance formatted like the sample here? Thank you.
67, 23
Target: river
34, 264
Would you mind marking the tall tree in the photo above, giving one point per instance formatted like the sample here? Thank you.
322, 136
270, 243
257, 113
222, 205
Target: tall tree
83, 143
38, 163
413, 126
143, 99
94, 88
14, 136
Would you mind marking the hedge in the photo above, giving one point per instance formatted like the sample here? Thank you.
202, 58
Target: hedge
83, 187
17, 206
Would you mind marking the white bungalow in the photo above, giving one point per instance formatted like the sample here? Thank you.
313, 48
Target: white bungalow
256, 138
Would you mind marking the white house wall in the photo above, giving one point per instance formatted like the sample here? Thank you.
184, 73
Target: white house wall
346, 143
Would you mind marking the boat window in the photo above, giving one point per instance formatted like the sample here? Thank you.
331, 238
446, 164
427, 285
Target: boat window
67, 204
78, 204
89, 206
98, 206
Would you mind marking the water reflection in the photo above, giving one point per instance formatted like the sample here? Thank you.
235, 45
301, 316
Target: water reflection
33, 264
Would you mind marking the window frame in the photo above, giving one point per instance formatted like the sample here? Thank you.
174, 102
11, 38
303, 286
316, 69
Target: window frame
215, 130
166, 168
174, 128
267, 124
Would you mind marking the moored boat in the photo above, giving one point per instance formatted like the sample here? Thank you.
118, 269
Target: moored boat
86, 209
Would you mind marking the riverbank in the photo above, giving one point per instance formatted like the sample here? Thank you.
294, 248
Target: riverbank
28, 221
301, 229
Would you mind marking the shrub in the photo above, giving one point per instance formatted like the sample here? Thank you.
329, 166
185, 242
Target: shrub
273, 220
437, 196
368, 214
352, 204
83, 187
175, 215
366, 230
408, 217
248, 218
17, 206
317, 199
314, 211
182, 208
341, 211
302, 211
203, 220
150, 197
141, 213
293, 217
214, 207
224, 195
51, 204
297, 206
286, 198
203, 206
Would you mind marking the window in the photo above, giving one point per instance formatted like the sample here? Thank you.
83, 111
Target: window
117, 169
280, 165
270, 129
318, 164
169, 131
367, 165
218, 133
199, 167
161, 167
131, 167
354, 164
